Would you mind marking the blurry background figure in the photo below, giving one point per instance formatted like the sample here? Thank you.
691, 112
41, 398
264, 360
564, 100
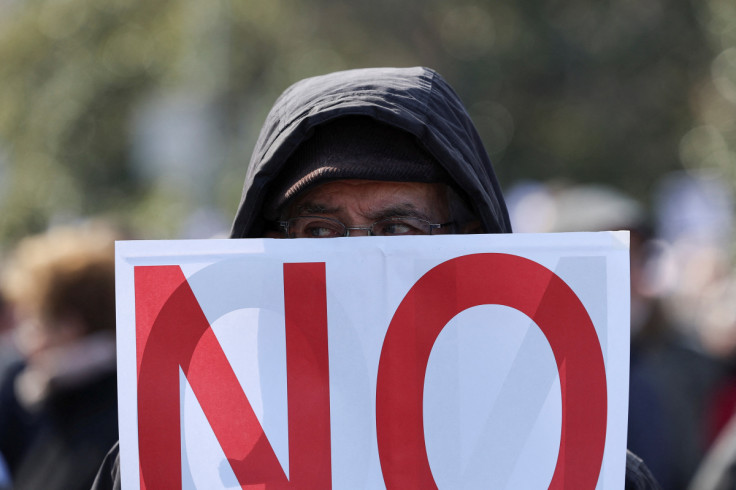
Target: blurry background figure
672, 375
8, 356
8, 351
58, 408
4, 475
700, 213
695, 217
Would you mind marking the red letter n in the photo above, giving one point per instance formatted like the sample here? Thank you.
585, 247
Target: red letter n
172, 332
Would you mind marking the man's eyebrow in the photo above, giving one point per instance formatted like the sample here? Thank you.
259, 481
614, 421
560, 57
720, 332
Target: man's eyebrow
315, 208
403, 209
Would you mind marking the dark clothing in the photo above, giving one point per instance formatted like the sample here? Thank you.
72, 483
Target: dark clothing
415, 100
18, 426
638, 476
60, 446
108, 478
669, 393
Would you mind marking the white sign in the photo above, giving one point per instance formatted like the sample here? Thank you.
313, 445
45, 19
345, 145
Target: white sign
466, 361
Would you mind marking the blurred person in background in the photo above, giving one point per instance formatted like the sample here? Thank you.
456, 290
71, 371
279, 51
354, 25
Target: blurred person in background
8, 352
697, 218
58, 406
8, 357
672, 377
4, 475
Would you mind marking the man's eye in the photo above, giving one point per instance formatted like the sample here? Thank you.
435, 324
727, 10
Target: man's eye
320, 229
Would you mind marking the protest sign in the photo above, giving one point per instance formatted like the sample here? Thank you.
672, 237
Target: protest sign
474, 361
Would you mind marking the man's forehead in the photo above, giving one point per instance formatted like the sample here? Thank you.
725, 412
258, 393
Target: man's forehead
371, 196
370, 189
394, 208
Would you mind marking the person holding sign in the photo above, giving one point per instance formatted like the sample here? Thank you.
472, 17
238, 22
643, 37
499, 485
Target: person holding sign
371, 152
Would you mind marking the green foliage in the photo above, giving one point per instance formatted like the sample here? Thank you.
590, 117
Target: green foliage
620, 91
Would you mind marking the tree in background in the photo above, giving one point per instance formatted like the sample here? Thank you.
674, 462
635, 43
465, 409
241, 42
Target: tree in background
147, 111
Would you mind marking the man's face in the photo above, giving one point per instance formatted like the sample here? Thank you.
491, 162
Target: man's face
360, 203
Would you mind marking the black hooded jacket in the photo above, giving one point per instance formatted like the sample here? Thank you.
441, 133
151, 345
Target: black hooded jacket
416, 100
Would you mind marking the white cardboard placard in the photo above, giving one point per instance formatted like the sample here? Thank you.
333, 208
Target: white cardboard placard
465, 361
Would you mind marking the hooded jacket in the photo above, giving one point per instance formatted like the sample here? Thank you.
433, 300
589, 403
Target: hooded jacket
416, 100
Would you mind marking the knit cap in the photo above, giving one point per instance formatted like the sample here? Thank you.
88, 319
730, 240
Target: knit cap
353, 147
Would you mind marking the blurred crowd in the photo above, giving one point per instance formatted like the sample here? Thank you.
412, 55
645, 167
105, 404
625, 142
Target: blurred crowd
58, 393
58, 412
683, 314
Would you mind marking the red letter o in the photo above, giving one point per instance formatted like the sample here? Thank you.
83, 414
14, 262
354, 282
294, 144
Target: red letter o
480, 279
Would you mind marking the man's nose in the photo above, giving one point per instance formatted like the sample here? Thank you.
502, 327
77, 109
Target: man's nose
363, 231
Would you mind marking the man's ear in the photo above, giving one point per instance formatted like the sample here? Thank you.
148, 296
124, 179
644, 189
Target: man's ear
471, 228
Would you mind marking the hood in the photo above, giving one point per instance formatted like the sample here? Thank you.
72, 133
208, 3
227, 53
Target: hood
416, 100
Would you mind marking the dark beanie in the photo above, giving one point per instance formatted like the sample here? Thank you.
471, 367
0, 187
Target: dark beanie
353, 147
